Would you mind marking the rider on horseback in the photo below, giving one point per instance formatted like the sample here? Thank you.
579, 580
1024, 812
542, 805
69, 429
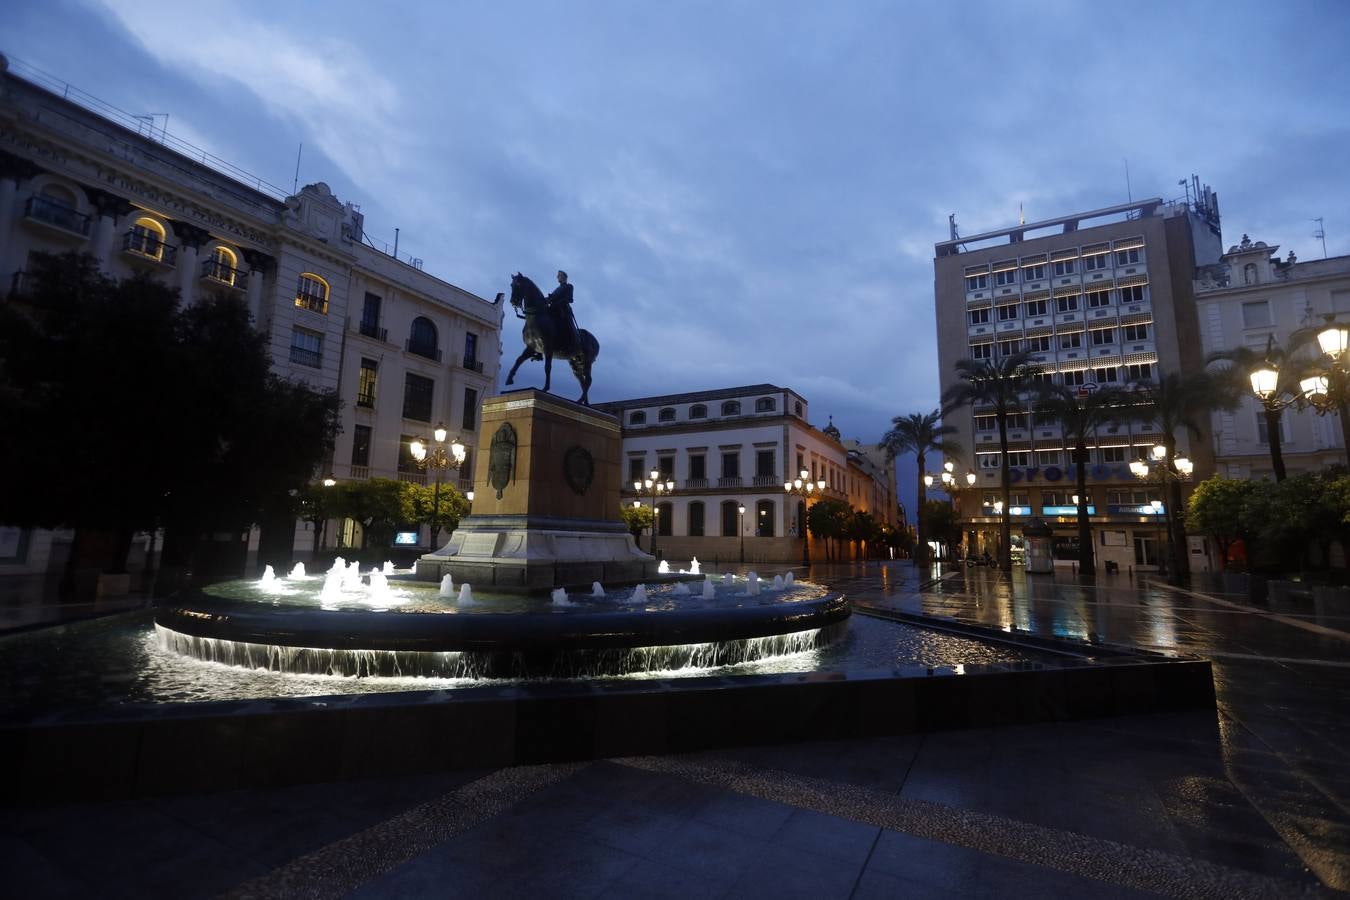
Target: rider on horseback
560, 305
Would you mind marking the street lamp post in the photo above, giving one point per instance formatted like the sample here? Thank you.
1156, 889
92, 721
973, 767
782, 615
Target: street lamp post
740, 510
802, 486
1179, 470
1325, 387
440, 456
655, 487
950, 482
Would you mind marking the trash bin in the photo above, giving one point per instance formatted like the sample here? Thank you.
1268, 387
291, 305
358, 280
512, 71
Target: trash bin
1039, 555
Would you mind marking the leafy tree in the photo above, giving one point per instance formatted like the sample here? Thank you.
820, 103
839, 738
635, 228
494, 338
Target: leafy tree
1177, 402
1002, 385
829, 520
866, 530
420, 505
377, 505
170, 411
1221, 508
637, 518
316, 503
1233, 376
920, 435
1080, 417
943, 526
900, 539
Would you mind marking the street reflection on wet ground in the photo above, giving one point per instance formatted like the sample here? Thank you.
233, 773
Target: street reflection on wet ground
1281, 674
1251, 802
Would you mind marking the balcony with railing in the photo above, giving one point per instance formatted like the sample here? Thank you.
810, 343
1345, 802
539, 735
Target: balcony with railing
216, 272
372, 329
422, 348
473, 364
366, 398
46, 211
314, 302
770, 480
360, 473
413, 477
695, 483
465, 484
144, 245
729, 481
304, 357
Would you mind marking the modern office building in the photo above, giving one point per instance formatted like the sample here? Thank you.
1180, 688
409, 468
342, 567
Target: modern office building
734, 448
1100, 298
405, 350
1248, 299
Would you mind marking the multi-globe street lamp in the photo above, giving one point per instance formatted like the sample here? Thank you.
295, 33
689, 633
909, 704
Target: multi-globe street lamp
655, 487
1178, 470
1324, 385
440, 455
950, 482
802, 486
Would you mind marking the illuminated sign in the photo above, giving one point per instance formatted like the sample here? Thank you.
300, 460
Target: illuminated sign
406, 537
1146, 509
1065, 510
1060, 473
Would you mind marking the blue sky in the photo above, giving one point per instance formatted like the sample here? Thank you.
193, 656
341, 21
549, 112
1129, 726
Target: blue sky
742, 192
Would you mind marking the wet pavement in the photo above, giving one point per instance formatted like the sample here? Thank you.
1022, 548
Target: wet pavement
1251, 802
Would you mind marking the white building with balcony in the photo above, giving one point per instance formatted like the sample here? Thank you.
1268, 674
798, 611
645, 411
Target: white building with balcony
1248, 299
404, 350
734, 448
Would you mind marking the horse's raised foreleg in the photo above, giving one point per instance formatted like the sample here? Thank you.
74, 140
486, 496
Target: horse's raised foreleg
510, 376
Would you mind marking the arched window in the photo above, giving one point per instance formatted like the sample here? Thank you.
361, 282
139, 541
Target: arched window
422, 339
696, 519
146, 238
731, 408
56, 205
666, 415
311, 292
223, 266
765, 404
764, 518
663, 517
731, 518
698, 411
637, 418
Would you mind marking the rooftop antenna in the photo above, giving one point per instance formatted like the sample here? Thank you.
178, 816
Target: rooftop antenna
1129, 195
295, 185
951, 226
1322, 234
1187, 185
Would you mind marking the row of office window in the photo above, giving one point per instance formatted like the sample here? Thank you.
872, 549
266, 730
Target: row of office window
1037, 268
1044, 343
761, 517
1030, 309
1136, 496
700, 411
766, 473
1021, 459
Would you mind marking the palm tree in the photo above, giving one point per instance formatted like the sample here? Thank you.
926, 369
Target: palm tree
1235, 379
1080, 415
920, 435
1000, 383
1175, 402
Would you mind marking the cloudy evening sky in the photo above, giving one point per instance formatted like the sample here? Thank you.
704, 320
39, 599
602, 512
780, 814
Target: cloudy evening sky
742, 192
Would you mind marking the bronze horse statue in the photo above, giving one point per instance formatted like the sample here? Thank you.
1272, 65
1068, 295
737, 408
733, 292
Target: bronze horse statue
546, 334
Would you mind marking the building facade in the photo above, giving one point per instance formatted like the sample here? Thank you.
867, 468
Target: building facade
732, 448
1248, 299
1099, 298
403, 349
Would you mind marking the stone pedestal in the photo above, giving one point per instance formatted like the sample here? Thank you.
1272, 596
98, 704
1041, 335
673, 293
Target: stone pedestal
546, 501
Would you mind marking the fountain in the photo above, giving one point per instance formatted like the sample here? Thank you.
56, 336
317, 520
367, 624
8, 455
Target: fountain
269, 577
778, 582
545, 520
297, 571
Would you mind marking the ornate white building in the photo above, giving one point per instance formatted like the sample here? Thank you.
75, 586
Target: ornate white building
735, 447
1248, 299
405, 350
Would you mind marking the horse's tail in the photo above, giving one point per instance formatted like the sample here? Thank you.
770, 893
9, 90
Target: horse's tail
589, 345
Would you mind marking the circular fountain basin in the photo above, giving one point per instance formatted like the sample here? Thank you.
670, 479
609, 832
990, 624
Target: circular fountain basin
410, 629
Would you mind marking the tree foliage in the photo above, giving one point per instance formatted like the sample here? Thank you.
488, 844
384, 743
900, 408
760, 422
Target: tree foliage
919, 434
1286, 525
129, 410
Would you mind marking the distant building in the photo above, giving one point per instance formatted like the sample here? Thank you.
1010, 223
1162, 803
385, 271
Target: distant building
404, 349
736, 447
1101, 298
1248, 298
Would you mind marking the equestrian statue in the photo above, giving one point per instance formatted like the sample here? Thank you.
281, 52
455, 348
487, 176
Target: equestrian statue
551, 330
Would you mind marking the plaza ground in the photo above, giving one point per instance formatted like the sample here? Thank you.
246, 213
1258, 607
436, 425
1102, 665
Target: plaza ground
1251, 801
